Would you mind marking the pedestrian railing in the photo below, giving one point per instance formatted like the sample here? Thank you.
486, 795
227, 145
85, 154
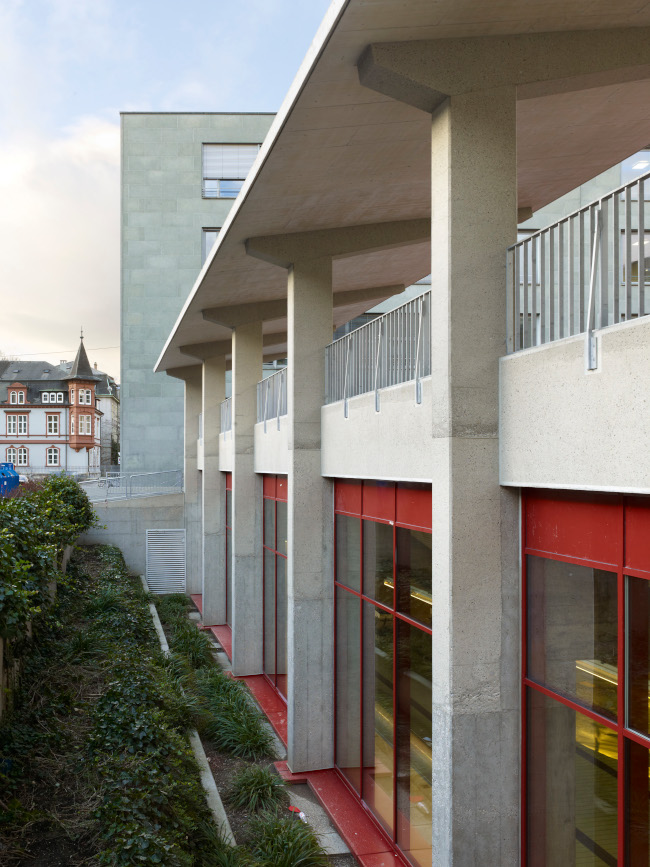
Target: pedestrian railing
389, 350
589, 270
124, 487
272, 397
226, 415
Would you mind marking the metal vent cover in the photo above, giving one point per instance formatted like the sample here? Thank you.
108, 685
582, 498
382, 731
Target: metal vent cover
165, 561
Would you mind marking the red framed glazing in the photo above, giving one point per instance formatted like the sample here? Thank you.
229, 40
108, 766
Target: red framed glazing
274, 489
399, 506
228, 544
608, 532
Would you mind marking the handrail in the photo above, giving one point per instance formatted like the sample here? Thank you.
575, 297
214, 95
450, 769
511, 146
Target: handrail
553, 291
272, 397
388, 350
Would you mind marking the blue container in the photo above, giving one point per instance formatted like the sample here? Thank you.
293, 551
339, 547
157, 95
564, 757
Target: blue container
8, 479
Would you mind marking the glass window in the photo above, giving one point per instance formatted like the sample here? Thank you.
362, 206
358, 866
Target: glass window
45, 397
21, 397
348, 551
12, 424
269, 523
208, 239
572, 770
348, 686
414, 723
638, 805
11, 456
22, 424
225, 167
378, 713
59, 397
269, 612
378, 562
13, 397
573, 631
52, 457
22, 457
52, 424
281, 514
281, 623
413, 568
638, 654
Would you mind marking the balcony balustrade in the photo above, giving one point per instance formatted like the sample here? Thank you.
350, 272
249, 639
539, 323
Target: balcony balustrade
272, 397
587, 271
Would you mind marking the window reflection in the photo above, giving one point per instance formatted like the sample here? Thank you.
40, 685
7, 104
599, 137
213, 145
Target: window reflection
638, 652
573, 631
414, 574
348, 687
572, 787
378, 562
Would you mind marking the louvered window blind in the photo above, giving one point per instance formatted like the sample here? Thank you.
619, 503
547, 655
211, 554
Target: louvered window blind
225, 167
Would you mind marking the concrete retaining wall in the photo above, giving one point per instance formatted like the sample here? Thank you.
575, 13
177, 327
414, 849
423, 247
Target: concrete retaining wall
125, 522
561, 427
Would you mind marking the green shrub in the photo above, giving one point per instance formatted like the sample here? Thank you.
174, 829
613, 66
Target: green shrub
255, 788
186, 640
172, 607
282, 841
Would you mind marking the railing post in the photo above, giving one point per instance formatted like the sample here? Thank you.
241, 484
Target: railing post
591, 359
379, 336
345, 381
418, 384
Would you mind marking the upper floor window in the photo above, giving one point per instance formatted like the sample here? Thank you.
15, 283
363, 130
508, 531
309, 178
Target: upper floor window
59, 397
207, 242
21, 397
98, 429
52, 397
16, 424
85, 425
225, 167
85, 396
16, 397
72, 425
72, 395
52, 424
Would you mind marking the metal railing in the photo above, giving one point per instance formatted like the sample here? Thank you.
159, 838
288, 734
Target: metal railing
272, 397
581, 273
125, 487
226, 415
392, 349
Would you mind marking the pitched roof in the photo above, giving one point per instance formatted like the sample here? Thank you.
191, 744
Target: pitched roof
81, 368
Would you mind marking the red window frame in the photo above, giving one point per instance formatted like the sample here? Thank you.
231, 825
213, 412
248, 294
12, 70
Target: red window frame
398, 505
602, 531
275, 488
227, 546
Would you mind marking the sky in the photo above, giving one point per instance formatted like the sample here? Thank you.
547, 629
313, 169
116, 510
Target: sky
68, 68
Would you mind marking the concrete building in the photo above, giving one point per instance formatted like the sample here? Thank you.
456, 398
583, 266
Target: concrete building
430, 537
176, 194
52, 419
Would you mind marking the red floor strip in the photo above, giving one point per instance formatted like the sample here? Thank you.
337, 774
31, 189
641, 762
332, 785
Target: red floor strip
272, 705
197, 599
361, 835
223, 634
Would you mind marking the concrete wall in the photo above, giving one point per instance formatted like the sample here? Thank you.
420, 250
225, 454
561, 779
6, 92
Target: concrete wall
123, 523
226, 452
271, 448
372, 445
163, 216
563, 428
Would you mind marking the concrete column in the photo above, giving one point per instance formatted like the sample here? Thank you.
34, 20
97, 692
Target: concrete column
475, 524
193, 379
247, 596
310, 583
214, 533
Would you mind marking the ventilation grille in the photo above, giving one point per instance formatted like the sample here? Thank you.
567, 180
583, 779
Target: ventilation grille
166, 561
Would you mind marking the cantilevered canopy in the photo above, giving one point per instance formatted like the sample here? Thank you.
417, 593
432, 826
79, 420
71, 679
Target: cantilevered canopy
341, 153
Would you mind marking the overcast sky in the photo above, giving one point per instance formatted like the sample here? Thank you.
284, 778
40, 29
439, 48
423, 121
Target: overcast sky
68, 67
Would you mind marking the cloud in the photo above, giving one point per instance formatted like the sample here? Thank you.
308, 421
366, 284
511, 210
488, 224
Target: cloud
59, 219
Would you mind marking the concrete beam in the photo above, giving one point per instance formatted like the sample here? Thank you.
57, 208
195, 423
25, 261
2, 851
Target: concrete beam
424, 73
284, 250
240, 314
183, 373
219, 348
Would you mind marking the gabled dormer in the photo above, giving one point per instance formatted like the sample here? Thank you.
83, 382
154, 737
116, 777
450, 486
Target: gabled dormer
82, 382
17, 394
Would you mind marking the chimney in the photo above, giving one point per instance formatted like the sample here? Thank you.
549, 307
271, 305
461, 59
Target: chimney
62, 361
95, 365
